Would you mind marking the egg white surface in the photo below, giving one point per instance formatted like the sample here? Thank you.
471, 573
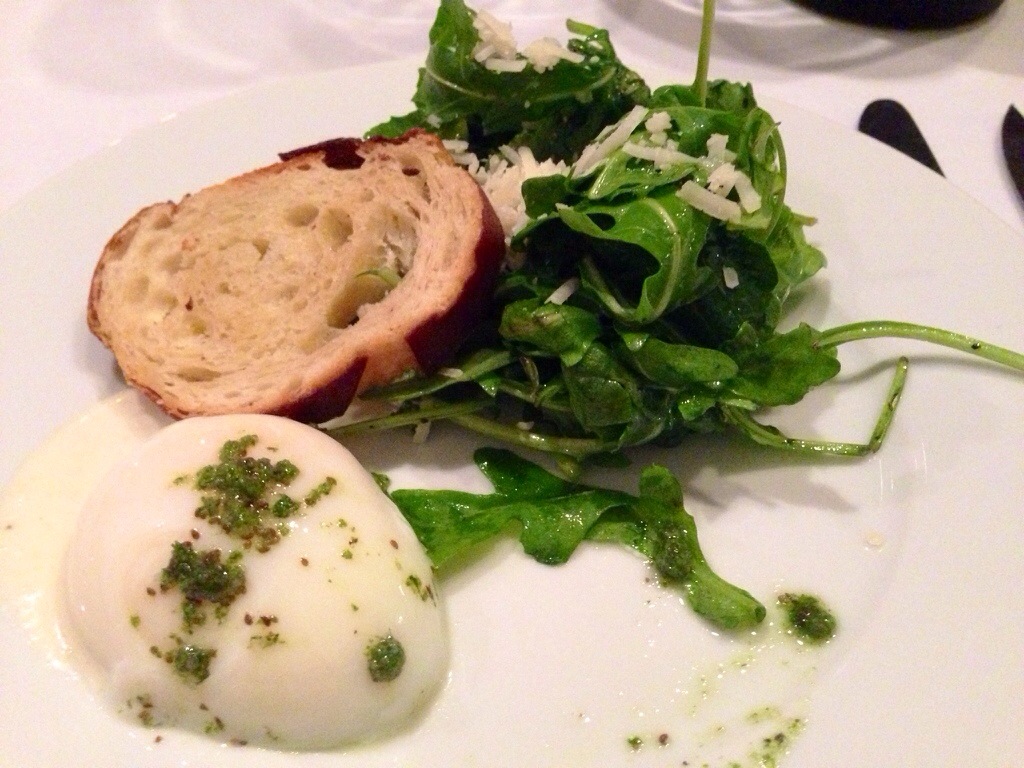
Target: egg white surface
290, 668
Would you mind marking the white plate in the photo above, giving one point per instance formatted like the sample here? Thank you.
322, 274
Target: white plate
917, 548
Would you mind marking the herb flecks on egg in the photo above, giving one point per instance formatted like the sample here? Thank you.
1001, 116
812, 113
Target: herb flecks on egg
385, 658
263, 659
203, 578
243, 496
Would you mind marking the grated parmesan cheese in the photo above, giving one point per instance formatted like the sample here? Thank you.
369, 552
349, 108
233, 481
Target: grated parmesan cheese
506, 65
459, 150
750, 200
713, 205
595, 153
420, 432
717, 152
659, 122
496, 48
496, 39
544, 53
662, 157
501, 177
562, 293
730, 277
722, 180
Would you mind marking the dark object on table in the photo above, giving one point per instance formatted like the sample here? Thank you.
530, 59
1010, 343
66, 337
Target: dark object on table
905, 14
891, 123
1013, 147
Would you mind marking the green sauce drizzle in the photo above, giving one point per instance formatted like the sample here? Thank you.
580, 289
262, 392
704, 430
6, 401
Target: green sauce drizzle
204, 579
808, 617
191, 662
241, 488
320, 491
243, 496
385, 658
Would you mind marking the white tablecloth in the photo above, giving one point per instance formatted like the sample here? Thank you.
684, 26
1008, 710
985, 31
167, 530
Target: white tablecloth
76, 75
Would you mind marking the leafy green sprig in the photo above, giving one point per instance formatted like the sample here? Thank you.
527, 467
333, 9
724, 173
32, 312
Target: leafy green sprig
667, 318
556, 112
554, 516
673, 325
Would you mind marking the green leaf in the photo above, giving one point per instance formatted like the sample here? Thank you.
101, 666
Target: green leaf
693, 405
795, 258
744, 296
518, 478
693, 126
673, 96
542, 194
397, 125
677, 365
555, 516
676, 554
663, 236
730, 96
624, 176
562, 330
781, 369
474, 367
555, 112
601, 390
553, 528
449, 524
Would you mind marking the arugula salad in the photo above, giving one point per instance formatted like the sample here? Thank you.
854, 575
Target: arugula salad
647, 282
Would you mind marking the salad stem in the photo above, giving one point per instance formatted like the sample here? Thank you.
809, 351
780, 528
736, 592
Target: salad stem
573, 447
429, 410
704, 51
876, 329
773, 438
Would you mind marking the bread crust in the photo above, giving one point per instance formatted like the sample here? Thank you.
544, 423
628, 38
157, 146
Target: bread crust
206, 315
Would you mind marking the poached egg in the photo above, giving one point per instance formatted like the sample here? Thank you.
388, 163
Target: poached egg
332, 634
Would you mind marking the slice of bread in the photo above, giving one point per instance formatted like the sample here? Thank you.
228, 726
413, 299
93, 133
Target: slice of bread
272, 292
